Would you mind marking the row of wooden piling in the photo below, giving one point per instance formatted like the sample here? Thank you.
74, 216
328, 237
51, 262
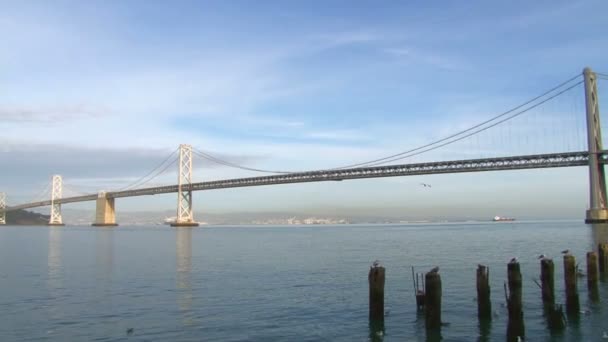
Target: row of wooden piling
428, 296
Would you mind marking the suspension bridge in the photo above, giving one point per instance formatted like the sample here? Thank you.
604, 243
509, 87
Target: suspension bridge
592, 155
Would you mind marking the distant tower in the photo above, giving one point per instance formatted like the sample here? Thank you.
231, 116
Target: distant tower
56, 207
185, 217
2, 207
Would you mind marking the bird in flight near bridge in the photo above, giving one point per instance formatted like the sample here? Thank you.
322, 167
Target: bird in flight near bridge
425, 185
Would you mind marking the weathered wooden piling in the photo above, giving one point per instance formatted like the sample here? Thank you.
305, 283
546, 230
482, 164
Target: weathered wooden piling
515, 326
570, 279
554, 314
602, 251
418, 290
376, 278
547, 280
555, 317
484, 305
592, 276
432, 292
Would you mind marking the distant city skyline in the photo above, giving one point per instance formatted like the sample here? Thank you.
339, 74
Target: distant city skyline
101, 92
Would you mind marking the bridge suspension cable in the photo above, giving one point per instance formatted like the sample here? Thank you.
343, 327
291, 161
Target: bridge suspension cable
208, 156
452, 138
456, 138
167, 162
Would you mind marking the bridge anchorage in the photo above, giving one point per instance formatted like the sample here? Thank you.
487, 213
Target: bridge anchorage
597, 213
56, 193
185, 216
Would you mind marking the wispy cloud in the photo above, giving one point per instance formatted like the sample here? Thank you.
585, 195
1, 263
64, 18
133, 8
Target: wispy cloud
51, 114
416, 56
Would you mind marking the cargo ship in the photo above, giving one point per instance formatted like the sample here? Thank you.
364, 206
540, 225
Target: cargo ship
499, 219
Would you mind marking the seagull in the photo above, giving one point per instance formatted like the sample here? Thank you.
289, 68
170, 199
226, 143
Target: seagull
434, 269
426, 185
519, 339
566, 251
130, 331
514, 260
542, 256
376, 263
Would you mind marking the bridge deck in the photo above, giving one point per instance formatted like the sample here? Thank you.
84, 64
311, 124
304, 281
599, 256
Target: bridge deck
536, 161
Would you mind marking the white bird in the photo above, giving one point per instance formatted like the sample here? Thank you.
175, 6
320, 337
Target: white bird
434, 269
542, 256
376, 263
519, 339
605, 335
513, 260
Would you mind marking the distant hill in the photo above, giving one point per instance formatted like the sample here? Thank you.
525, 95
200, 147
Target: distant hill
26, 218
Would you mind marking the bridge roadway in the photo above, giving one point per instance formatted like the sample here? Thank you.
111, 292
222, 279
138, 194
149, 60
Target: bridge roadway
537, 161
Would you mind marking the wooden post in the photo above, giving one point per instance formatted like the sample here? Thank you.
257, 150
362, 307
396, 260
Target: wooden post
376, 294
602, 250
572, 303
547, 281
515, 326
433, 300
554, 314
592, 276
484, 306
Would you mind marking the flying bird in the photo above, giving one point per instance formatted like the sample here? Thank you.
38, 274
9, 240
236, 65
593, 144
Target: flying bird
434, 269
426, 185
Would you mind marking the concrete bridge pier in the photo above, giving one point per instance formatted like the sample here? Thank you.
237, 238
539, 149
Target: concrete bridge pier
597, 213
105, 215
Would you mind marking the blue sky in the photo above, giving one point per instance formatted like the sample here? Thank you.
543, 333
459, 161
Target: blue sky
102, 91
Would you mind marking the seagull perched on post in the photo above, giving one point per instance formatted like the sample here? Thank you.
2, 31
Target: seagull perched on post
566, 251
513, 260
542, 256
376, 263
434, 269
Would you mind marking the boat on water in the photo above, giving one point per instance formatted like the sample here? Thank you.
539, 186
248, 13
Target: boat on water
499, 219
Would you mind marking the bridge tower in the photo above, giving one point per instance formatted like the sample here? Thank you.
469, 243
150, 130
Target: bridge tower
597, 212
2, 207
185, 217
56, 193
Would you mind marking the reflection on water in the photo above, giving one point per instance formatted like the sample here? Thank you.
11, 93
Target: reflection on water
184, 273
104, 263
55, 278
55, 272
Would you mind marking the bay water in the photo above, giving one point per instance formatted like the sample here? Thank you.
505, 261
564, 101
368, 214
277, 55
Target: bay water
277, 283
